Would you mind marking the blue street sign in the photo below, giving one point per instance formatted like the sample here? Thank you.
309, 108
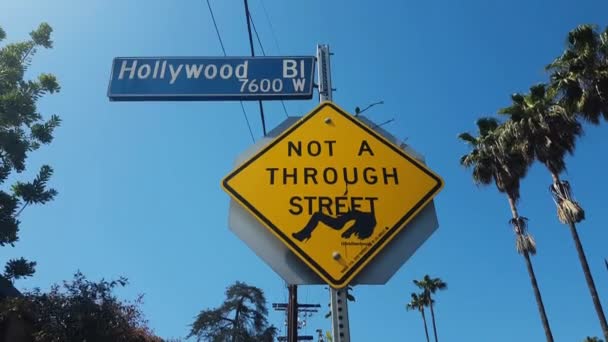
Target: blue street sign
211, 78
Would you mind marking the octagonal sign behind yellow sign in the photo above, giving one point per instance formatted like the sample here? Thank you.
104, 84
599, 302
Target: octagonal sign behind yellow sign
333, 190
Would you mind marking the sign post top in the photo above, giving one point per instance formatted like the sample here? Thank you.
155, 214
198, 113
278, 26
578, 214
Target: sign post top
333, 191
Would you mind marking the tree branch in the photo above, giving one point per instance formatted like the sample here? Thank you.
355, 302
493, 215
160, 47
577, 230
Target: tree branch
26, 55
20, 210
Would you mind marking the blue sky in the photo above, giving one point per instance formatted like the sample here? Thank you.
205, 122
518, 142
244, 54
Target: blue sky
139, 183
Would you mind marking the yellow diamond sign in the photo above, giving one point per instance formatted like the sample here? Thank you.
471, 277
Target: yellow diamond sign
333, 190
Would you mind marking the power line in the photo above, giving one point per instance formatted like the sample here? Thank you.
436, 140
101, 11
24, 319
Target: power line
274, 36
247, 120
255, 30
219, 37
248, 18
284, 109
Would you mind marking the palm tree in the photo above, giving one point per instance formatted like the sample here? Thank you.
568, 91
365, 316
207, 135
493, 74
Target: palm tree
493, 159
430, 286
547, 134
580, 74
418, 302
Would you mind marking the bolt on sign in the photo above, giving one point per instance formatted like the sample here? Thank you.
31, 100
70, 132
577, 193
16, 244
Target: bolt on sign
333, 190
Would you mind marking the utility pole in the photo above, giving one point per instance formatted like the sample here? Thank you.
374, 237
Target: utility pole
293, 309
292, 314
339, 307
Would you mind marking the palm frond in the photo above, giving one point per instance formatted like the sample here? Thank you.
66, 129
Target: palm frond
583, 37
541, 129
493, 157
538, 92
417, 302
604, 42
468, 138
576, 74
524, 243
568, 210
520, 224
486, 125
482, 174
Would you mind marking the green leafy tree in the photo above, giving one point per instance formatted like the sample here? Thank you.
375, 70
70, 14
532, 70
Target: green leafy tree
22, 130
547, 133
580, 74
79, 310
593, 339
241, 318
429, 287
495, 158
418, 302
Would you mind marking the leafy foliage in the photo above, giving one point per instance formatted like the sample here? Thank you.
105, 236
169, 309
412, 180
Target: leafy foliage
241, 318
36, 191
23, 130
494, 157
593, 339
80, 310
19, 268
430, 285
545, 130
580, 74
417, 302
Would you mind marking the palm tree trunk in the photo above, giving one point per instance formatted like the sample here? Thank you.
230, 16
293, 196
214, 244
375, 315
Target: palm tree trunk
426, 330
513, 207
539, 299
589, 278
583, 259
433, 318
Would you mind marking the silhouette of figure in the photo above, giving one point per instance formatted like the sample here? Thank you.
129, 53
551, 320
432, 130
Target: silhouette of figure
362, 228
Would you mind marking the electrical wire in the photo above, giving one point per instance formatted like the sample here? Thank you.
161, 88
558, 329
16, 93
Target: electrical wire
274, 36
255, 30
248, 18
247, 121
219, 37
284, 108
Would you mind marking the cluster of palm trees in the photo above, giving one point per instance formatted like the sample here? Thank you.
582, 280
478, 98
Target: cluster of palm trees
424, 299
544, 125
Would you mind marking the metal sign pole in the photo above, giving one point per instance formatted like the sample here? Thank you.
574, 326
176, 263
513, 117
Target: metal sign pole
339, 315
324, 73
338, 300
